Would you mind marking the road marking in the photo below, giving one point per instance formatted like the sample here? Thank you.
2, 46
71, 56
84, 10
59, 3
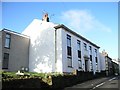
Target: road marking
102, 83
98, 85
112, 79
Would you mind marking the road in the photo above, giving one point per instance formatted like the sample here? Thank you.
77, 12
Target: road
110, 83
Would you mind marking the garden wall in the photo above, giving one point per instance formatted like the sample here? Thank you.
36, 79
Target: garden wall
68, 80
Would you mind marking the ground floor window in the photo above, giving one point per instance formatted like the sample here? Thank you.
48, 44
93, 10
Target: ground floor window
96, 63
91, 66
97, 67
79, 64
69, 59
5, 61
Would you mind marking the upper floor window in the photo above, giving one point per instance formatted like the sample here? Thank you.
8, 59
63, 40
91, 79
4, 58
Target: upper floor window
90, 48
7, 40
79, 49
91, 66
85, 46
68, 40
78, 45
96, 60
69, 51
90, 57
96, 52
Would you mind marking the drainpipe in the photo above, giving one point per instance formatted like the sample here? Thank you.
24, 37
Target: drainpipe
55, 50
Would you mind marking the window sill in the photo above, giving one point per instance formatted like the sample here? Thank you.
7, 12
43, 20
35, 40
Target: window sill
4, 68
70, 67
7, 47
80, 68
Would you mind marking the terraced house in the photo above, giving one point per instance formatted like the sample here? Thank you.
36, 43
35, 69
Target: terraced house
47, 47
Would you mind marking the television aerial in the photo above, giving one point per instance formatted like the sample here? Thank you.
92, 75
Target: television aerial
48, 14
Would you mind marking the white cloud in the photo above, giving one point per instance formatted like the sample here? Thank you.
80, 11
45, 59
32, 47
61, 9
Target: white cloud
82, 20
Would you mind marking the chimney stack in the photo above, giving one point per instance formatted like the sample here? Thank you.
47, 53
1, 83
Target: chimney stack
45, 17
104, 53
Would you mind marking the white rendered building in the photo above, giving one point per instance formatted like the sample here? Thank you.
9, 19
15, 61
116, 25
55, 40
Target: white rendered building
102, 62
56, 48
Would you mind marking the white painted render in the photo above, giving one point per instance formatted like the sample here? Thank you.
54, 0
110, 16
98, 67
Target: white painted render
59, 51
74, 53
102, 62
48, 49
42, 46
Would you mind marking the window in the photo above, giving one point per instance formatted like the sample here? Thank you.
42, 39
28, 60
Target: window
7, 40
96, 60
69, 61
69, 51
96, 52
90, 49
96, 68
91, 63
79, 64
5, 61
85, 46
79, 54
90, 57
79, 49
78, 45
68, 40
69, 45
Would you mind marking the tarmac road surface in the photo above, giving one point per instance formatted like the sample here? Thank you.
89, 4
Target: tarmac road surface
104, 83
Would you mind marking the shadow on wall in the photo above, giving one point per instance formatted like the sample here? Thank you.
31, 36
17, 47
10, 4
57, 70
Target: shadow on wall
42, 52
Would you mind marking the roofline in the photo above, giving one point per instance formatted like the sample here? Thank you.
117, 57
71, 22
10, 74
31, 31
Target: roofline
115, 62
69, 30
109, 57
10, 31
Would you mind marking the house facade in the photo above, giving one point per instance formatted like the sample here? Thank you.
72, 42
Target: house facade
102, 62
115, 66
78, 53
15, 50
107, 64
56, 48
47, 47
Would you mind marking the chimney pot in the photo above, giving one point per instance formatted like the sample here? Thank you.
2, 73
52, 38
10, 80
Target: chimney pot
45, 17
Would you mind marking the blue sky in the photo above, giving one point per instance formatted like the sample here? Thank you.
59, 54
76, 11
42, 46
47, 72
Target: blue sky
97, 21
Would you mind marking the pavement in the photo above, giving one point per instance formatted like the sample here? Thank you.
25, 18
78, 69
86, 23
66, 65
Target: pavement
97, 84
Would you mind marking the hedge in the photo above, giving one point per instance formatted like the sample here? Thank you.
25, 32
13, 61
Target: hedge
39, 80
45, 80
